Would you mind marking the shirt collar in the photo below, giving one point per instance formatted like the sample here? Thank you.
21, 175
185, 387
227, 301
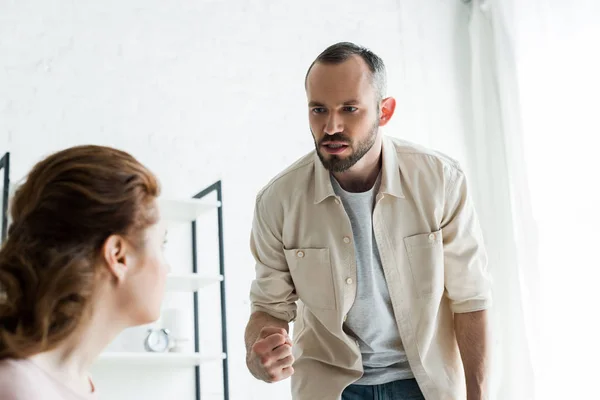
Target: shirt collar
390, 179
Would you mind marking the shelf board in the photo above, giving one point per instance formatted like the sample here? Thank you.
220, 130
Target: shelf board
157, 359
186, 210
190, 282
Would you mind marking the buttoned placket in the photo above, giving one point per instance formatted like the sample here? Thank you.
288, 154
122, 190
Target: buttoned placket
349, 286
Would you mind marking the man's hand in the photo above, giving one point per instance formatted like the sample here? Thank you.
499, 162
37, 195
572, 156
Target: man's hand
270, 358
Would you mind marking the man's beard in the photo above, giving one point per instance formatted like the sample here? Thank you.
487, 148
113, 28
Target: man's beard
335, 163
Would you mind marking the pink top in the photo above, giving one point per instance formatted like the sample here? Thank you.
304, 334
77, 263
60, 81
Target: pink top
24, 380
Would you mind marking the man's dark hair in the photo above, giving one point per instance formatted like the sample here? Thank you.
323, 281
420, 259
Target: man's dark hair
342, 51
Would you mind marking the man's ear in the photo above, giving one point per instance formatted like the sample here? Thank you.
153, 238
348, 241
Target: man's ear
115, 257
388, 106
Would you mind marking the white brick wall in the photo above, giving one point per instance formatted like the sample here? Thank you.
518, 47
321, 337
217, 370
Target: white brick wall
208, 90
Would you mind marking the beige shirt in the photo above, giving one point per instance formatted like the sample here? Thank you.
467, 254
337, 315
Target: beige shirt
431, 251
24, 380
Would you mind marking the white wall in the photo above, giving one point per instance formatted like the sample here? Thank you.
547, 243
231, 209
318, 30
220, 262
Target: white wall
208, 90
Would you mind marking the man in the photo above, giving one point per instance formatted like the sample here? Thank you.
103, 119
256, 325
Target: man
371, 246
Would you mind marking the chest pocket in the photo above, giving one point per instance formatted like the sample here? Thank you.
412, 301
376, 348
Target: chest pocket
312, 275
426, 257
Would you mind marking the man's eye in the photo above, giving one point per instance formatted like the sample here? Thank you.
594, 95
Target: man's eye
318, 110
350, 109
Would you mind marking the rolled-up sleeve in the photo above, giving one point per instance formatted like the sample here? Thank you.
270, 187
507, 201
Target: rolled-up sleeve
467, 281
272, 290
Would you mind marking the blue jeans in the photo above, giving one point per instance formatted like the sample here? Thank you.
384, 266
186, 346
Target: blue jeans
406, 389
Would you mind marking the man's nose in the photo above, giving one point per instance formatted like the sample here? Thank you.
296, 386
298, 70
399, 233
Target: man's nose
334, 124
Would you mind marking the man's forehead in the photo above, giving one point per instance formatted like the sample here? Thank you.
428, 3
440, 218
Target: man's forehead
354, 68
349, 80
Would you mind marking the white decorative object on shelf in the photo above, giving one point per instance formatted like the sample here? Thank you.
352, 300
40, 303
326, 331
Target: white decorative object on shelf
173, 321
158, 340
186, 210
190, 282
157, 359
178, 345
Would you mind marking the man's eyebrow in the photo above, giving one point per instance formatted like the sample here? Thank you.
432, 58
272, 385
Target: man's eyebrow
346, 103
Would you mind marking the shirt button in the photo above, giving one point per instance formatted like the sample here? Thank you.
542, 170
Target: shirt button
345, 317
349, 281
337, 201
300, 254
432, 237
346, 239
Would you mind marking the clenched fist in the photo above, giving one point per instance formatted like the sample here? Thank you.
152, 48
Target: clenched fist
270, 358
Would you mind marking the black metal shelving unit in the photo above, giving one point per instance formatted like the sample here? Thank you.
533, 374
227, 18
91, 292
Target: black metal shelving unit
214, 188
5, 166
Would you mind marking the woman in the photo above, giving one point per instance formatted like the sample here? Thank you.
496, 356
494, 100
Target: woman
83, 260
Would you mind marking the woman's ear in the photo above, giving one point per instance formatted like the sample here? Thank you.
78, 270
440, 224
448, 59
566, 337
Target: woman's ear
114, 255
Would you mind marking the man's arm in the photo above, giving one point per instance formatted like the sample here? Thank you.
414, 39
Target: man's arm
272, 291
467, 282
273, 295
472, 337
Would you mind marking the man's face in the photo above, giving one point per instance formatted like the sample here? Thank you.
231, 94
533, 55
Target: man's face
343, 112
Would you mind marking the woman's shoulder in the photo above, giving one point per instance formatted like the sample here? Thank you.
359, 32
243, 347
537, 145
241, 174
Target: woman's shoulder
17, 382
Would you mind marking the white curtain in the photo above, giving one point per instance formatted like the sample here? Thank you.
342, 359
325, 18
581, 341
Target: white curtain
535, 86
558, 68
499, 176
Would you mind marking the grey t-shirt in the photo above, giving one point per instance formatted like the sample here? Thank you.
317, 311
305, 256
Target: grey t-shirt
371, 318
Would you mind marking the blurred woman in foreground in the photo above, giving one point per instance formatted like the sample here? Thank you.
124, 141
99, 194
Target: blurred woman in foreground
83, 261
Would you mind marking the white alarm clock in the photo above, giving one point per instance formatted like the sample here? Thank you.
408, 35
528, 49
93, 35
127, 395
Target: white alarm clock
158, 340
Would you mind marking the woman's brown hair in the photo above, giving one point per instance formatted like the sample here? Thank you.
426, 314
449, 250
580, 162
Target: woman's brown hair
69, 205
